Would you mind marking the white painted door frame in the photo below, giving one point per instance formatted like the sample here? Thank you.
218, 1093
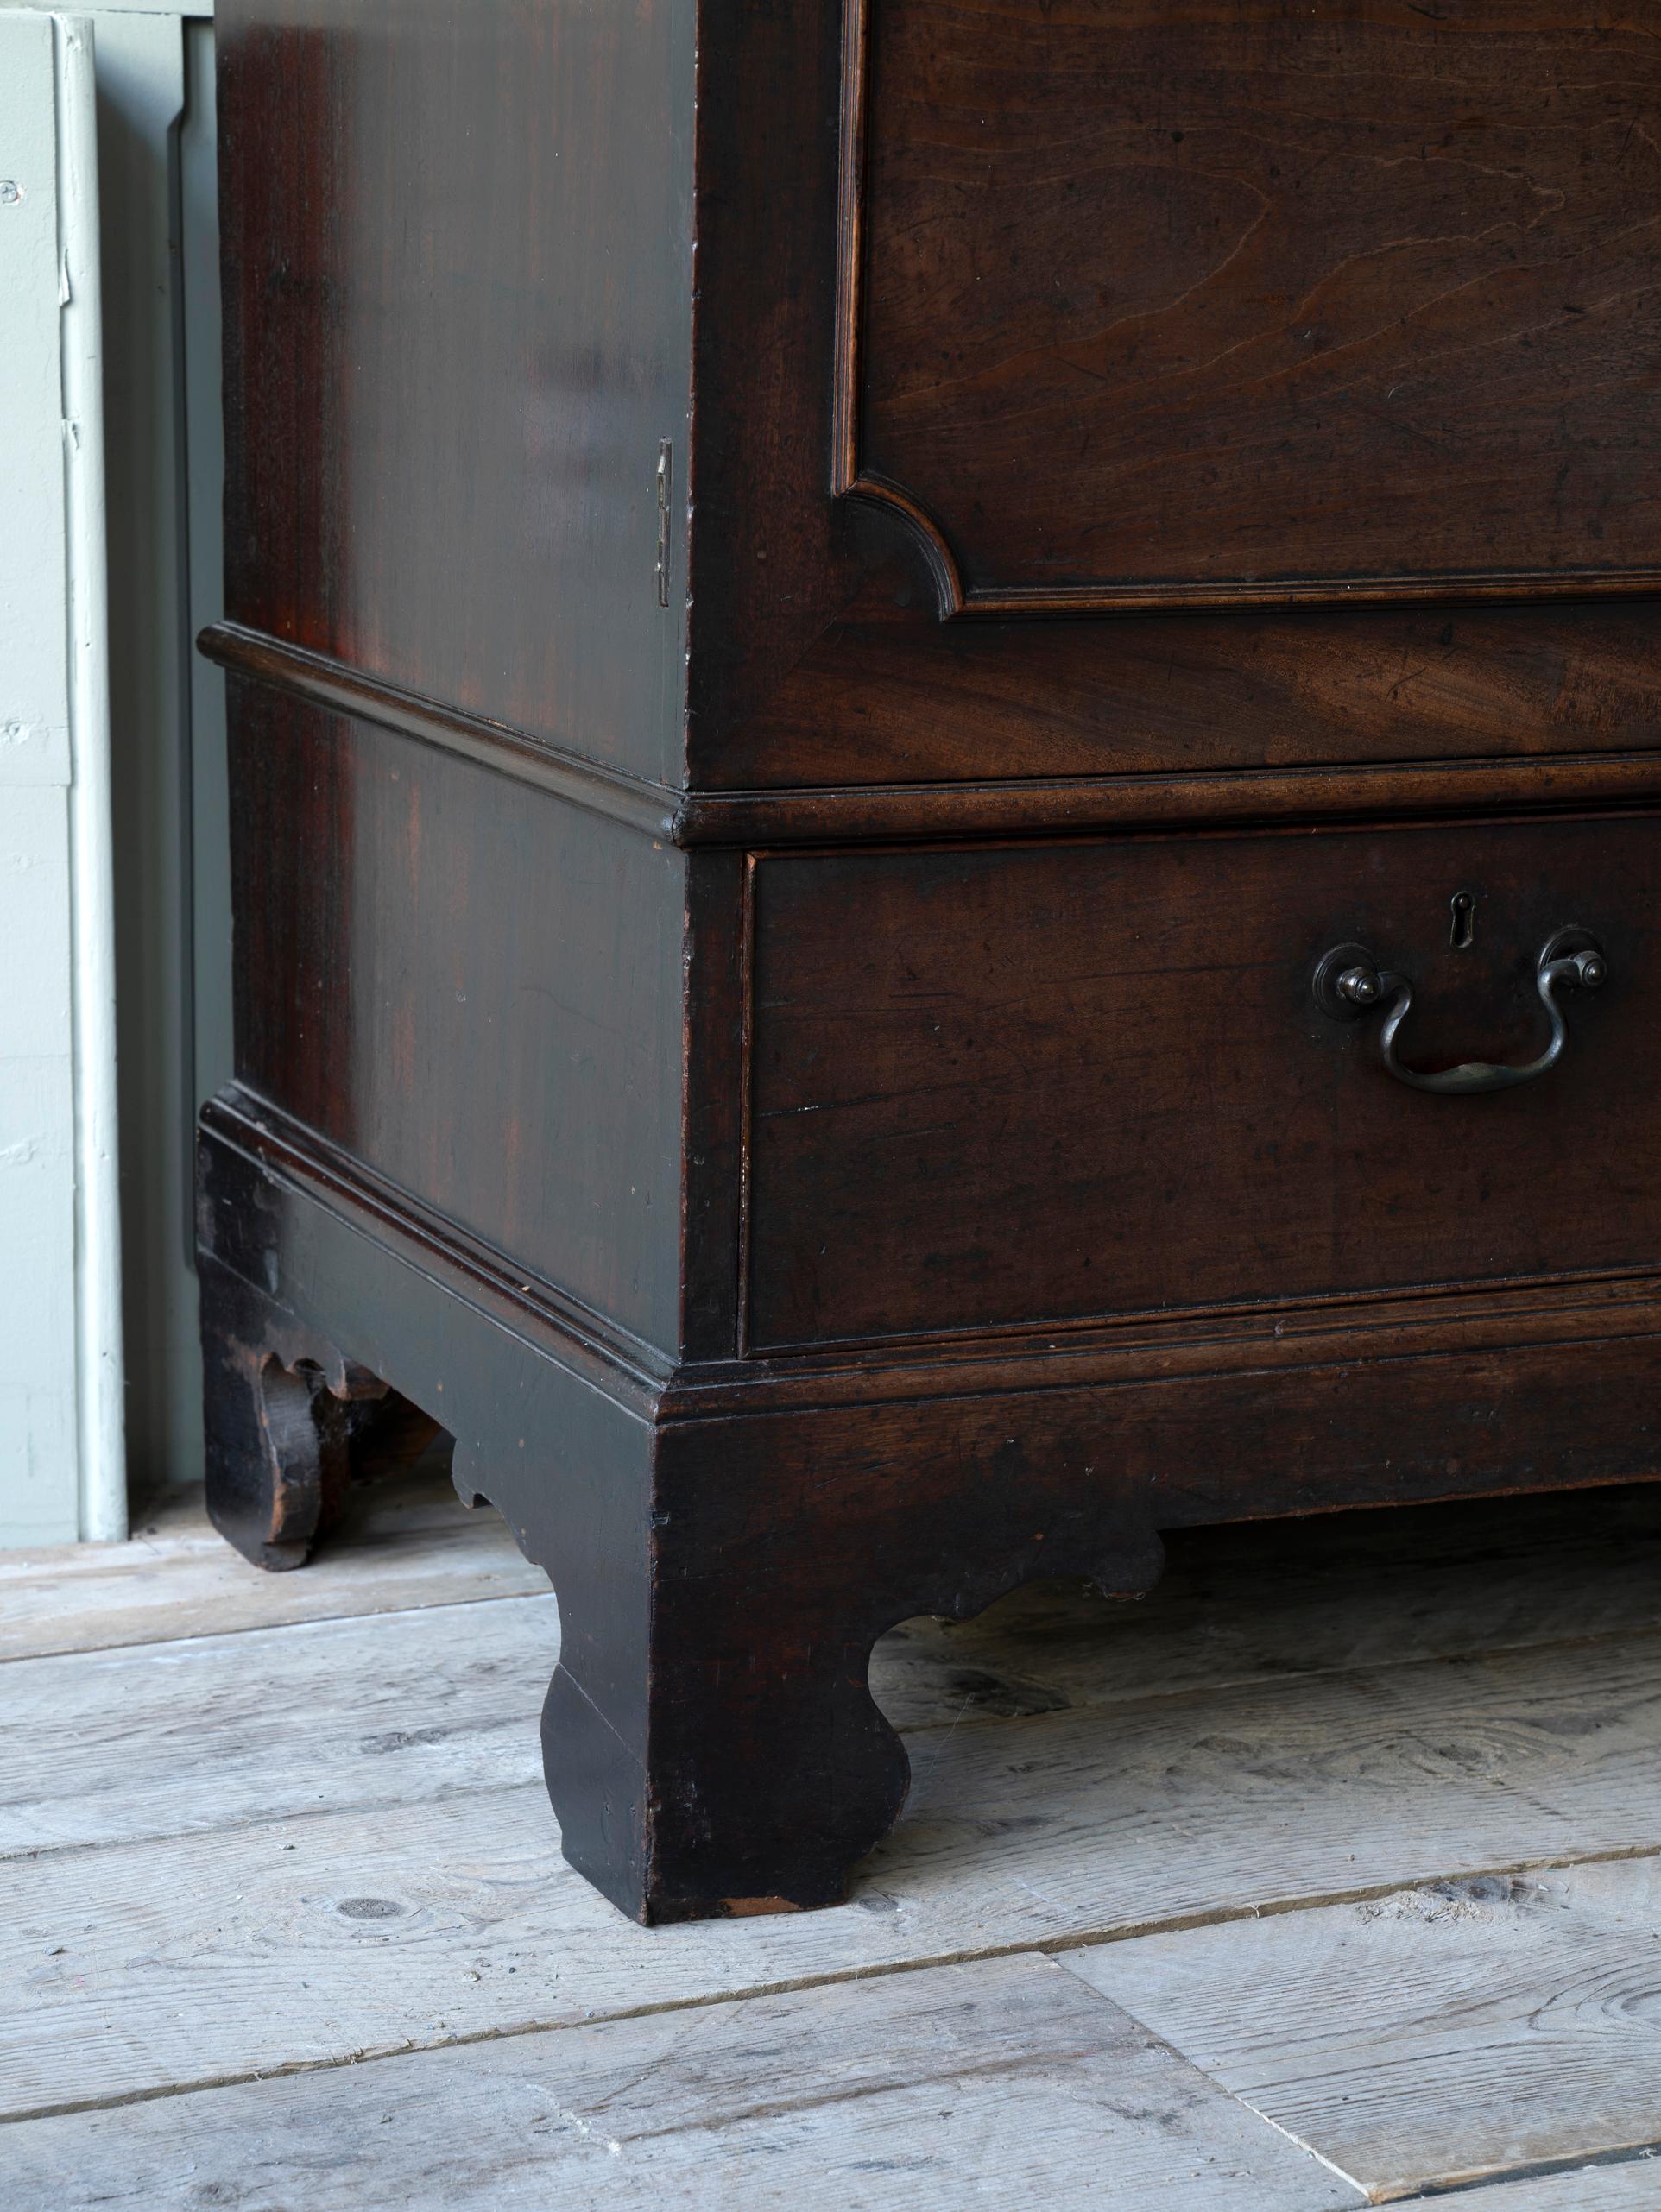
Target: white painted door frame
62, 1453
103, 714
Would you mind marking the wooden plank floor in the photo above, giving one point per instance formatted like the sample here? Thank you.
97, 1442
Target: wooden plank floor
1329, 1875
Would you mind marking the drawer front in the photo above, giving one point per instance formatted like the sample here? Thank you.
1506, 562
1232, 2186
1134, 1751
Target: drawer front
1016, 1085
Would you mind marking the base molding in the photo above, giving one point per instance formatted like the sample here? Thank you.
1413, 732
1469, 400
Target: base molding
729, 1547
262, 1154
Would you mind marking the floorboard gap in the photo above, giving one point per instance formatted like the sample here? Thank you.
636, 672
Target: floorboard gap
1440, 2192
1051, 1947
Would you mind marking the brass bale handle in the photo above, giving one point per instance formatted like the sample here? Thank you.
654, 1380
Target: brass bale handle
1350, 983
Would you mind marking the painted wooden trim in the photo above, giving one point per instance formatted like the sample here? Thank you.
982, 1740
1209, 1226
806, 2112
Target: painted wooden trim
62, 1446
97, 1198
188, 8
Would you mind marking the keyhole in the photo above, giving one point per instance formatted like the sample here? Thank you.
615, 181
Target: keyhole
1463, 934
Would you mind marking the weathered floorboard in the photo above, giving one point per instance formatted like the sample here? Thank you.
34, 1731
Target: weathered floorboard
1436, 2035
1629, 2185
173, 1738
131, 1968
1257, 1600
447, 1697
992, 2083
403, 1543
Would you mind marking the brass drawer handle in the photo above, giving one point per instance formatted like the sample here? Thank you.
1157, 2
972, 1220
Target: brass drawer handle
1349, 982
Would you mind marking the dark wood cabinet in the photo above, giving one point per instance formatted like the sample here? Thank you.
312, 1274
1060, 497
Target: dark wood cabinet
930, 708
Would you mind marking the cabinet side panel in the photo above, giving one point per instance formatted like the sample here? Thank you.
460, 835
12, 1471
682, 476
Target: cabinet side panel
458, 308
470, 987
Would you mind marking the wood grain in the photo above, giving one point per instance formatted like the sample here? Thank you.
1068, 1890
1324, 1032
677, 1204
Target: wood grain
311, 1941
446, 1699
965, 2085
816, 651
493, 206
1623, 2185
1209, 295
783, 1547
443, 1699
1441, 2034
1256, 1601
1485, 2025
430, 963
1037, 1082
496, 1091
405, 1544
888, 695
607, 790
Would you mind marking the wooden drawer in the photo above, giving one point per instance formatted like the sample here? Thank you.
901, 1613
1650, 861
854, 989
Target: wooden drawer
1010, 1084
